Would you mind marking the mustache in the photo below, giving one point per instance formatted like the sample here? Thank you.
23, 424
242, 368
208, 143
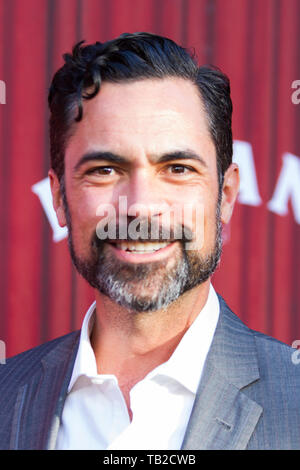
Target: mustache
142, 231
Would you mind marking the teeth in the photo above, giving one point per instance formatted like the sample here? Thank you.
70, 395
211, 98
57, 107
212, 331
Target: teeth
141, 247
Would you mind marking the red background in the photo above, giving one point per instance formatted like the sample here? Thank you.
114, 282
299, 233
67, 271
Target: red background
256, 42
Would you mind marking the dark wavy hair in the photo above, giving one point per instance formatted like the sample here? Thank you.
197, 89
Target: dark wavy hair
132, 57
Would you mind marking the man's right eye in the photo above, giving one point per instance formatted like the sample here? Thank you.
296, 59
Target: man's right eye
101, 170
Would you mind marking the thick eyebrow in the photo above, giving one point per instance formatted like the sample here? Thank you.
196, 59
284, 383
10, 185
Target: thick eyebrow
114, 158
100, 156
181, 155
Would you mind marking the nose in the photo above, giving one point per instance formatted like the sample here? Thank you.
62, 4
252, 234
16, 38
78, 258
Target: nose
145, 196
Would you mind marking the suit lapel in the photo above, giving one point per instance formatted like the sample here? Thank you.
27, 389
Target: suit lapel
223, 417
40, 401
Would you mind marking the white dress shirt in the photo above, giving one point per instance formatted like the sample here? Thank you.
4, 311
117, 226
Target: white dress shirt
95, 414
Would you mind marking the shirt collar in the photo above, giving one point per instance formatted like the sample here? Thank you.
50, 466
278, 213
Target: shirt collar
187, 361
85, 362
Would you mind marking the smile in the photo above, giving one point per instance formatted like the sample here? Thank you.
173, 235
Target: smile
142, 251
141, 247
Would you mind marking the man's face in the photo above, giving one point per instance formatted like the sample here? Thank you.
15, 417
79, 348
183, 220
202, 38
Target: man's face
147, 144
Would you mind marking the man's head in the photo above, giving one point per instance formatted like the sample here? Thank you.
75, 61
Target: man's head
136, 118
133, 57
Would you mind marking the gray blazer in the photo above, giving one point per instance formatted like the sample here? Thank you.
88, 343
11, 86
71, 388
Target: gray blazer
248, 397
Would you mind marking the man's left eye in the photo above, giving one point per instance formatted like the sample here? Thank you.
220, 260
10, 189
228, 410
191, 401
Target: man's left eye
180, 169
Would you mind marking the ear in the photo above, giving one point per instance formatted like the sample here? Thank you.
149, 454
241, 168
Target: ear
57, 198
230, 191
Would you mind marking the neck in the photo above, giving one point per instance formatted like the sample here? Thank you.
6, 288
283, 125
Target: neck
130, 344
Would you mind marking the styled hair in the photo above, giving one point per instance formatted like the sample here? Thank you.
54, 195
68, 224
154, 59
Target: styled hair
132, 57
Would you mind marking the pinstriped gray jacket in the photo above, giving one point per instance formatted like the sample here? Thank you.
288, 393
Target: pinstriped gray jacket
248, 397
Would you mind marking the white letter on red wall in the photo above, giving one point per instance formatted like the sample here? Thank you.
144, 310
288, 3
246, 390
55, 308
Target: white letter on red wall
287, 188
43, 191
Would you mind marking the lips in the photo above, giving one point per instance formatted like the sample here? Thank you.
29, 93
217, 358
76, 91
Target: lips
141, 247
142, 252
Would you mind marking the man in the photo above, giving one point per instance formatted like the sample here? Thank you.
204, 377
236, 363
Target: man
137, 129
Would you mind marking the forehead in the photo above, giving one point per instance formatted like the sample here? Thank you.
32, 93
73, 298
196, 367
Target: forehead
146, 116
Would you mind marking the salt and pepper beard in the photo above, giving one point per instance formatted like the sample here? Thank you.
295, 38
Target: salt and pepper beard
144, 287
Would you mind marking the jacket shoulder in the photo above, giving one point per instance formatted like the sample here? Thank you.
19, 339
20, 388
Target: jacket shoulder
273, 356
278, 362
21, 366
263, 340
277, 358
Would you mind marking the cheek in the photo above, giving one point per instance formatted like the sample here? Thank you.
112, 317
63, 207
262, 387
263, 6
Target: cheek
201, 217
210, 227
86, 205
197, 208
84, 220
83, 214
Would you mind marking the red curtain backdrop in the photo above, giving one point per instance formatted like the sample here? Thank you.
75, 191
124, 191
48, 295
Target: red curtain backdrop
257, 44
